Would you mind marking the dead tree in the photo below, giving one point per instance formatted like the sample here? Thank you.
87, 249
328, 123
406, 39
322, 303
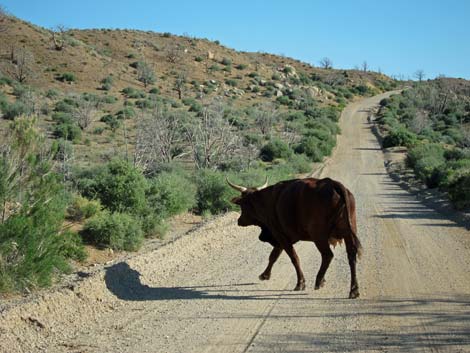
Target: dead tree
364, 66
160, 137
174, 54
85, 111
180, 83
419, 75
59, 37
145, 73
326, 63
22, 64
212, 138
265, 118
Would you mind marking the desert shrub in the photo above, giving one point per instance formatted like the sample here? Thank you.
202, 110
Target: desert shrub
424, 150
284, 100
213, 195
170, 193
107, 83
108, 99
72, 246
231, 82
98, 130
199, 58
275, 148
31, 246
154, 90
111, 120
119, 231
300, 163
81, 208
427, 161
241, 66
12, 110
214, 68
459, 191
62, 117
67, 77
51, 93
126, 113
131, 92
121, 187
226, 61
65, 105
399, 136
311, 147
68, 131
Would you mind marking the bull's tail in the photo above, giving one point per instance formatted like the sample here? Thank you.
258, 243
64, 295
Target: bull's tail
345, 195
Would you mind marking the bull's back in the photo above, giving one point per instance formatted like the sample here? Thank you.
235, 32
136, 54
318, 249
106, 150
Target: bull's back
306, 207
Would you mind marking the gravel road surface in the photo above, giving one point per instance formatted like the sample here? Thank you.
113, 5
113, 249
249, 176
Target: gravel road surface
201, 293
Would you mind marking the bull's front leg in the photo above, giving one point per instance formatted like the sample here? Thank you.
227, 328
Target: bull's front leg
296, 262
275, 253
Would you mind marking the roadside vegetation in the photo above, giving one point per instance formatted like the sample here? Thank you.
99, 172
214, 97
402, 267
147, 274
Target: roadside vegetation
106, 160
432, 119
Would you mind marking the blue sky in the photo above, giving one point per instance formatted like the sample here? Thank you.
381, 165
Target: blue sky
396, 36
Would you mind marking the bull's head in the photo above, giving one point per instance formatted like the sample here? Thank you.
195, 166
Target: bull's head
248, 215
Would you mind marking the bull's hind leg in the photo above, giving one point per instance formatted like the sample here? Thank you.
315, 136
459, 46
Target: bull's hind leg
326, 257
351, 249
296, 262
275, 253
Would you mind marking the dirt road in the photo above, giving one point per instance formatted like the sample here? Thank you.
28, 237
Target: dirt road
201, 293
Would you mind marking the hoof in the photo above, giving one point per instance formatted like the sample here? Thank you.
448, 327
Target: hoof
264, 277
322, 283
299, 287
354, 294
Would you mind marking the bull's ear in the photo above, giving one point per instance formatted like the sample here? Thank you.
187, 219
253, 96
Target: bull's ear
236, 200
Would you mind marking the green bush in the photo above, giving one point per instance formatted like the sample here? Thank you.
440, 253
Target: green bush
213, 194
231, 82
170, 193
275, 148
459, 191
121, 187
125, 113
67, 77
68, 131
134, 93
428, 161
31, 247
399, 136
51, 93
226, 61
300, 163
11, 111
310, 146
112, 121
71, 246
119, 231
107, 83
81, 208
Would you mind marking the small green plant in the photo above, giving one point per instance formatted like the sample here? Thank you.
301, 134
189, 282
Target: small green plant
119, 231
274, 149
81, 208
67, 77
213, 194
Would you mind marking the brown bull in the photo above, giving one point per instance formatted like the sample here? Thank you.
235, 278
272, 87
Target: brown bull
319, 210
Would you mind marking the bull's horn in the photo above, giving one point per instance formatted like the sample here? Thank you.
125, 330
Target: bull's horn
262, 186
235, 186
